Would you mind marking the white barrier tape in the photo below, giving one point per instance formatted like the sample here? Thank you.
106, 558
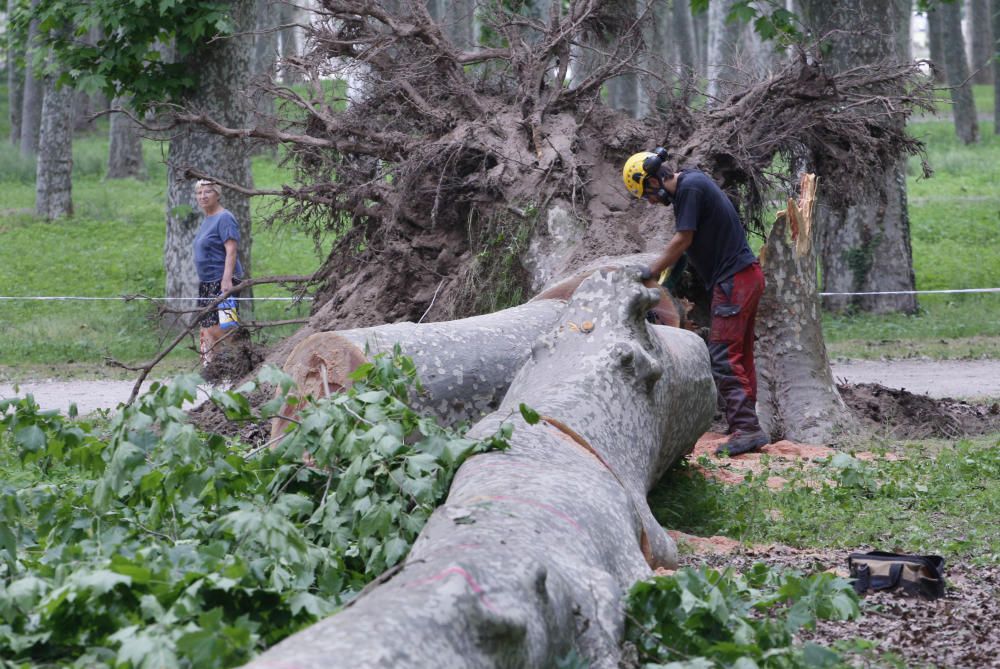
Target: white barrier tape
917, 292
57, 298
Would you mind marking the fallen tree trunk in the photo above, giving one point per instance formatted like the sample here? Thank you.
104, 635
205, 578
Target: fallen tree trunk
465, 366
797, 399
531, 554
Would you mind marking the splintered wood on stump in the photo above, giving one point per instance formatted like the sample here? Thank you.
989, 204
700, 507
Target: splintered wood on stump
465, 366
531, 554
797, 397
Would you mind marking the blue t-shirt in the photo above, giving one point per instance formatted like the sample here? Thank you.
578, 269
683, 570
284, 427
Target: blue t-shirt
209, 246
719, 248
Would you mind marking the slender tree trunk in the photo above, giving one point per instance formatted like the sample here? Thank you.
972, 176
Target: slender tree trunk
683, 36
865, 247
904, 42
982, 42
224, 68
458, 18
15, 83
995, 12
54, 176
723, 42
125, 145
31, 102
289, 40
532, 552
265, 53
701, 30
957, 73
935, 42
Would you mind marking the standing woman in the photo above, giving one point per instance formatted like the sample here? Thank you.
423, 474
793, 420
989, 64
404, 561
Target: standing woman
215, 251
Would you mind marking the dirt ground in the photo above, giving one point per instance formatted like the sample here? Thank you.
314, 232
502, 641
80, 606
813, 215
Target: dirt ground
959, 630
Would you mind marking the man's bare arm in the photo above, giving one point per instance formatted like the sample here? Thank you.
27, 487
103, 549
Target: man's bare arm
676, 247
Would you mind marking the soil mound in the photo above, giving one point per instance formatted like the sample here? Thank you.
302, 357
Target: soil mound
905, 415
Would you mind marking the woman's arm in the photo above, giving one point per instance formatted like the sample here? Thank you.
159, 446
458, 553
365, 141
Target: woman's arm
230, 267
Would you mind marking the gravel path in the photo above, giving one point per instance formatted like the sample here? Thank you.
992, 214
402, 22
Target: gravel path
957, 379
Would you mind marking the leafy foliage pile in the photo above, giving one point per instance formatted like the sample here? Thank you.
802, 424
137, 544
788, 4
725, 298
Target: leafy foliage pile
703, 618
167, 547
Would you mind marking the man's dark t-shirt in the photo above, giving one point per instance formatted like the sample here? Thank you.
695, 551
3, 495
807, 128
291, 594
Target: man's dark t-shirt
719, 248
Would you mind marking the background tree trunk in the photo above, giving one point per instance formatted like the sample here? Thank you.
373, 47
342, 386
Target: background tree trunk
904, 41
957, 73
54, 175
289, 40
723, 41
683, 37
531, 554
265, 54
31, 101
699, 22
982, 42
15, 83
797, 398
224, 68
865, 246
935, 43
125, 145
995, 11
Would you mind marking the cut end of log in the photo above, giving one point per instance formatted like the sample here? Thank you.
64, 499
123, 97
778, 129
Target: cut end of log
321, 365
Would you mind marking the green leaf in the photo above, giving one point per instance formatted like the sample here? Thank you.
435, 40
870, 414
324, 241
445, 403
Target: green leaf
30, 438
530, 416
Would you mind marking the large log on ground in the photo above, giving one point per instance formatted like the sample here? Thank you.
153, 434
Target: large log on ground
531, 554
465, 366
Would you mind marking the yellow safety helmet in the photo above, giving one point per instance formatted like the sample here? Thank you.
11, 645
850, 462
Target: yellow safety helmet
640, 166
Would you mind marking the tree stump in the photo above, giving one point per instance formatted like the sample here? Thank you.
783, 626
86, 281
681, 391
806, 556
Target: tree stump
531, 555
797, 398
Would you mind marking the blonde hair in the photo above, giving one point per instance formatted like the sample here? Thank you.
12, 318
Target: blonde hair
211, 185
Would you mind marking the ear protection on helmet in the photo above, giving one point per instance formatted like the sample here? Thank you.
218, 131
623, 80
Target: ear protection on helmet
651, 166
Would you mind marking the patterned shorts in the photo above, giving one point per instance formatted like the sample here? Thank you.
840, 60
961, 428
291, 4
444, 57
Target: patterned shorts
207, 292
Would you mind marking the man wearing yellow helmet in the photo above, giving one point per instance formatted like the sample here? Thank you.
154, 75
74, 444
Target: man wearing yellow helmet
709, 234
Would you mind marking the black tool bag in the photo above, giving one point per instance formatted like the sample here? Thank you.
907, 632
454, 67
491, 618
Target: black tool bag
920, 575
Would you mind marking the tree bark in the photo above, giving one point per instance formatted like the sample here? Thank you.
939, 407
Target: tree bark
683, 36
223, 67
530, 556
797, 396
15, 84
31, 100
723, 38
125, 159
935, 43
995, 12
54, 174
957, 73
981, 30
289, 40
465, 366
904, 42
865, 246
699, 22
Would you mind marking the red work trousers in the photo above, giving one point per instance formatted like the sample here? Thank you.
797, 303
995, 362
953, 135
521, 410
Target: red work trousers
730, 344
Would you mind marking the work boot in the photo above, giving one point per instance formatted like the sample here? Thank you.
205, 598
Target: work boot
743, 442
